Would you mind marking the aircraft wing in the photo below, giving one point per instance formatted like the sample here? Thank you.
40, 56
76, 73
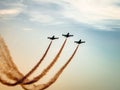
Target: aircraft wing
76, 41
49, 37
56, 38
64, 35
83, 42
70, 35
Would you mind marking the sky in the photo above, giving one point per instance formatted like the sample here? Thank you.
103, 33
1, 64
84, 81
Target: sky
26, 24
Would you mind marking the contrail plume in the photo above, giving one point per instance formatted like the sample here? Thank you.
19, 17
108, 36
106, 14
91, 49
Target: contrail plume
8, 70
6, 63
11, 76
52, 80
35, 67
7, 57
30, 72
48, 67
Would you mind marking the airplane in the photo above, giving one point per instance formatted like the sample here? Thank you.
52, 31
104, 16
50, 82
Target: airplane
53, 37
79, 42
67, 35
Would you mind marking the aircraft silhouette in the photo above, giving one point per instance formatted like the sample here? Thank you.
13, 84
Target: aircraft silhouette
53, 37
79, 42
67, 35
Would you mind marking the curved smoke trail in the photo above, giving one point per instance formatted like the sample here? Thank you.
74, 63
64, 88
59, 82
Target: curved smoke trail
8, 70
48, 67
6, 64
30, 72
6, 56
35, 67
52, 80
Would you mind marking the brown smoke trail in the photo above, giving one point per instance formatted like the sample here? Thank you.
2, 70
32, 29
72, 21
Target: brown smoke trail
6, 64
48, 67
13, 72
30, 72
7, 56
16, 75
52, 80
35, 67
8, 69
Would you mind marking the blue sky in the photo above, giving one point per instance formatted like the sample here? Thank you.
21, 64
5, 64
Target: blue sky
25, 25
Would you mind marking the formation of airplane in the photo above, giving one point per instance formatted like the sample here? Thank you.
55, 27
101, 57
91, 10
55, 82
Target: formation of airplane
79, 42
53, 37
67, 35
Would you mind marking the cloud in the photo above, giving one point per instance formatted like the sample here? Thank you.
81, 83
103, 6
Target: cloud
86, 10
9, 13
92, 12
9, 9
43, 18
39, 17
45, 12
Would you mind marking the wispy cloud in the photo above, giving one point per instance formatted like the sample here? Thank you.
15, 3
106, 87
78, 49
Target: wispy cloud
12, 11
6, 14
98, 14
43, 18
92, 12
39, 17
9, 10
45, 12
87, 10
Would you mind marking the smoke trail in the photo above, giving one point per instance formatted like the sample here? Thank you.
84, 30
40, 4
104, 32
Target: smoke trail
8, 69
7, 56
17, 75
6, 64
52, 80
32, 70
35, 67
48, 67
